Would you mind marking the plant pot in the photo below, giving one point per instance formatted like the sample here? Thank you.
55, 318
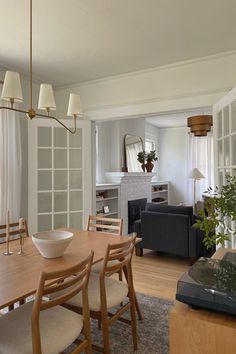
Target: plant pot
143, 167
149, 166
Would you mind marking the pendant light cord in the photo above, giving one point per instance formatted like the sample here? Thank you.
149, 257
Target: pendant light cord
31, 57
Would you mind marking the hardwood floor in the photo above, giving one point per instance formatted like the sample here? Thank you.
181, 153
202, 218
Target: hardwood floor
156, 274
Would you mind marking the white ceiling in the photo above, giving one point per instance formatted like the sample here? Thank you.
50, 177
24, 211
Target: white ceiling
81, 40
176, 119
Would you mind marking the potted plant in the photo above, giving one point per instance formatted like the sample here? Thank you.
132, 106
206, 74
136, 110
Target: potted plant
219, 214
141, 158
150, 157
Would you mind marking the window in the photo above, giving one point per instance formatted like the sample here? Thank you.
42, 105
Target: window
150, 145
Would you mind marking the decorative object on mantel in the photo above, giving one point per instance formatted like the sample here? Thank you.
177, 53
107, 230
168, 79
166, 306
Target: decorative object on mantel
200, 125
12, 93
141, 158
195, 174
150, 157
132, 146
217, 219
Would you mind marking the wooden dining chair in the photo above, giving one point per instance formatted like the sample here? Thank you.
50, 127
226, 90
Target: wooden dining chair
108, 225
43, 327
14, 233
105, 293
105, 224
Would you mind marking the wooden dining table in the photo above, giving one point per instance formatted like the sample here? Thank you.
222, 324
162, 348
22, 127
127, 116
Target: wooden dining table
19, 274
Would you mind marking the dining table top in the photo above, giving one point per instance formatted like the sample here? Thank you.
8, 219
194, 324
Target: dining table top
19, 274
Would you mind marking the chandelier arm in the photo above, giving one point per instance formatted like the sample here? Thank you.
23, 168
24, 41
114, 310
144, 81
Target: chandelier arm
14, 109
44, 116
72, 131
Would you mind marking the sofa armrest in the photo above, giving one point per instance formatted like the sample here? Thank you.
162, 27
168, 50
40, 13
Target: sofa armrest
196, 247
137, 227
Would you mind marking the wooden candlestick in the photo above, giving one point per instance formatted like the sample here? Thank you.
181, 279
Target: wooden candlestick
21, 228
8, 252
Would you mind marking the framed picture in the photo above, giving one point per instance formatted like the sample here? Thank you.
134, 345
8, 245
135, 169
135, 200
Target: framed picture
106, 209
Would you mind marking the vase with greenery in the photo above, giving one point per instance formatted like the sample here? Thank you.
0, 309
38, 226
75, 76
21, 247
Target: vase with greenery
150, 157
219, 214
141, 158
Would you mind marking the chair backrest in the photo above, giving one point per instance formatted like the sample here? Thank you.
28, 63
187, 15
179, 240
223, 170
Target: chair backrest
171, 209
105, 224
63, 284
121, 253
14, 230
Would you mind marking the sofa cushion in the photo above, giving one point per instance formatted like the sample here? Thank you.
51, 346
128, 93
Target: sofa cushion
171, 209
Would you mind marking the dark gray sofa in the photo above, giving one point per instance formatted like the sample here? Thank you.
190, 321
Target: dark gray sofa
167, 228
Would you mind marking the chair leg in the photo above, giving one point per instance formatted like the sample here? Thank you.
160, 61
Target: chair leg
99, 324
11, 307
133, 321
140, 315
105, 334
139, 251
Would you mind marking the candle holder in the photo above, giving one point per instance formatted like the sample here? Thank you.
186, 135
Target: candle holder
21, 243
8, 252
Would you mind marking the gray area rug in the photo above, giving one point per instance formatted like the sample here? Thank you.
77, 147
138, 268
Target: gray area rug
153, 330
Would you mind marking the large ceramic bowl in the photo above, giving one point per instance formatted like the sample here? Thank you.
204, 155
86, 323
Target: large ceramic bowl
52, 244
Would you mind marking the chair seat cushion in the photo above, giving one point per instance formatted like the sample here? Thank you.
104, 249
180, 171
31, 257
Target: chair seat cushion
59, 327
116, 292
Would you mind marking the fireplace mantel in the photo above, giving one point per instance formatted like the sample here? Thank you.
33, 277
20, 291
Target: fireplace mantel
117, 177
133, 185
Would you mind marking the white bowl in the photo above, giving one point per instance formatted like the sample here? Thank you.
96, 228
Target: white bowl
52, 244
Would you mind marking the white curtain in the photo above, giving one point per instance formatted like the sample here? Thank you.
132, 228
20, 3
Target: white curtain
200, 155
10, 165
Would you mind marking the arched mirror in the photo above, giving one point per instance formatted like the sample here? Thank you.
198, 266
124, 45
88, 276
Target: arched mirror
132, 146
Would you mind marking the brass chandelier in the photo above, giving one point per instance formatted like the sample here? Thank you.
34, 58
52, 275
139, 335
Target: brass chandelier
12, 92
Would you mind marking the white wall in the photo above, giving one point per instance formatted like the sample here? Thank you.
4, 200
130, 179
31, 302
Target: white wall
172, 164
133, 127
111, 143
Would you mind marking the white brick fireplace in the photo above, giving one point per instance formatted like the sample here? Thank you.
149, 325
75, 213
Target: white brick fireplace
133, 185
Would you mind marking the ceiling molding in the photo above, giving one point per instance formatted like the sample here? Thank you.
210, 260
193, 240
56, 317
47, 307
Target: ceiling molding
157, 107
147, 71
38, 81
160, 99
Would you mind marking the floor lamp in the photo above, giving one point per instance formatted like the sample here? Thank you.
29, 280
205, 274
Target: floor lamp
195, 174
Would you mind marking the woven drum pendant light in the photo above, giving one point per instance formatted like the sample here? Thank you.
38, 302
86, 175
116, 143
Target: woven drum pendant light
200, 125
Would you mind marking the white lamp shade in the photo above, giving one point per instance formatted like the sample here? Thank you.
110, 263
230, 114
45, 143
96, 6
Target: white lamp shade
74, 106
46, 97
12, 87
196, 174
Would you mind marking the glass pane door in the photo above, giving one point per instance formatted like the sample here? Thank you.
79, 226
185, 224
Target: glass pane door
57, 184
225, 144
